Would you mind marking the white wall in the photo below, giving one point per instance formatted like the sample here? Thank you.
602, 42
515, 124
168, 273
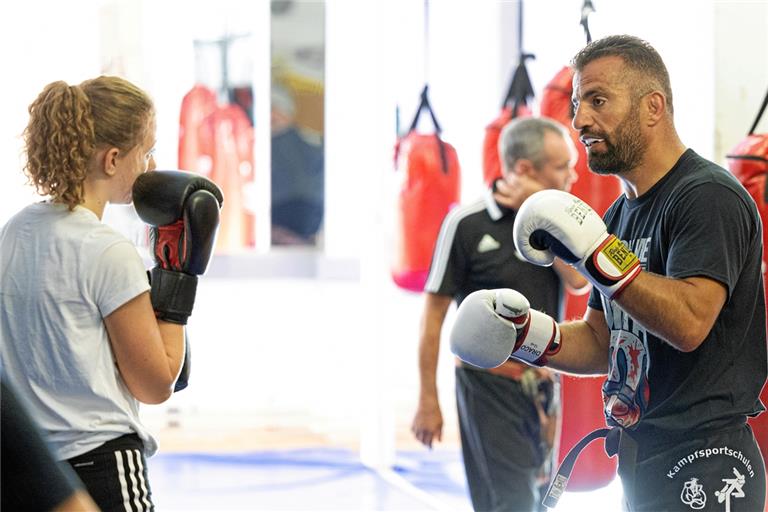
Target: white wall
682, 32
716, 52
741, 64
38, 48
378, 60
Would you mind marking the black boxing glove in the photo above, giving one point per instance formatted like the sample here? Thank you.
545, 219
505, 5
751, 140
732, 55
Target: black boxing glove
182, 210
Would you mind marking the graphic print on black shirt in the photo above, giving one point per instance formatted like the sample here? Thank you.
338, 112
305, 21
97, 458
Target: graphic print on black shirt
696, 222
626, 391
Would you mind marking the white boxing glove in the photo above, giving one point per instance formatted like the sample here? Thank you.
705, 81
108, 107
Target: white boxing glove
493, 325
555, 223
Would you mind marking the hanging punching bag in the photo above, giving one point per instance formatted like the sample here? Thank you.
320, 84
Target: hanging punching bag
232, 157
197, 104
582, 405
515, 105
748, 162
226, 141
430, 187
217, 142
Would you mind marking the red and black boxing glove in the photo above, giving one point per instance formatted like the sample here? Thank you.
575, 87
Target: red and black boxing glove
182, 210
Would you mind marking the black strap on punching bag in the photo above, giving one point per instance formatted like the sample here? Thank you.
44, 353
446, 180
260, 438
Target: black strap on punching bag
520, 88
586, 10
424, 102
759, 114
424, 105
752, 132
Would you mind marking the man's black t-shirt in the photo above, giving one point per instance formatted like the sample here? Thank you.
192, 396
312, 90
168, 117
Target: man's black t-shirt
696, 221
475, 251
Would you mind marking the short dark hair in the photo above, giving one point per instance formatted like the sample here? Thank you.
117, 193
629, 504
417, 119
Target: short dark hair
637, 54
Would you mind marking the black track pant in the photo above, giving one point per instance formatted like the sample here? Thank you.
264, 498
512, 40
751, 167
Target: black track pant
115, 475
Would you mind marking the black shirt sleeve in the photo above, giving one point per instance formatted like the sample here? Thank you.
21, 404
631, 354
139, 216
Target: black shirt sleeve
708, 233
30, 478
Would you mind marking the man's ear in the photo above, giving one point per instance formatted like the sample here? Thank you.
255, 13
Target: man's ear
655, 107
109, 161
525, 167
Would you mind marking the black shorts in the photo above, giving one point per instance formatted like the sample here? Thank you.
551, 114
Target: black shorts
721, 471
115, 475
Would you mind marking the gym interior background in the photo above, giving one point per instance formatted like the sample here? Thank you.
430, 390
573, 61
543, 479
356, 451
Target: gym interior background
304, 368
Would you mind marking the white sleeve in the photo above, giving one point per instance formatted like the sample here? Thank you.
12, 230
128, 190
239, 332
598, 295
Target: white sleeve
117, 277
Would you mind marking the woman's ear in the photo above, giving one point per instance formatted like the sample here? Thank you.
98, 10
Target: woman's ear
109, 161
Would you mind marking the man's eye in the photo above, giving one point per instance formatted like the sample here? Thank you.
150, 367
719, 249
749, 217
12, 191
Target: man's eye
597, 102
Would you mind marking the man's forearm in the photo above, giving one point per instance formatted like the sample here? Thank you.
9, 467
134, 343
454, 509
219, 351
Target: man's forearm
680, 311
582, 352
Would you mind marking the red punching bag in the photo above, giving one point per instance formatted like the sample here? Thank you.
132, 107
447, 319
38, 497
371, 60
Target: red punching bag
217, 142
581, 396
231, 154
514, 106
430, 188
748, 162
197, 104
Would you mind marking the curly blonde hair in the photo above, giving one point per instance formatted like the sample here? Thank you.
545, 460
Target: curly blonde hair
68, 124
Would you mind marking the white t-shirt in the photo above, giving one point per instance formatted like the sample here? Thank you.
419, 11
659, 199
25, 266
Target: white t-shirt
61, 273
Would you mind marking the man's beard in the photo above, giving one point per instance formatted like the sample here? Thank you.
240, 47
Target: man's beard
624, 151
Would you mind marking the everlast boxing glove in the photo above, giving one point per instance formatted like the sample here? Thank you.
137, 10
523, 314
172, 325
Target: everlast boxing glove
182, 210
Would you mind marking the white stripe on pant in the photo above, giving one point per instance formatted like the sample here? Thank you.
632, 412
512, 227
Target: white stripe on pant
140, 472
136, 474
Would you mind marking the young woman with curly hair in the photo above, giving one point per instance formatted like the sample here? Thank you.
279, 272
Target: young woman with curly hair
79, 338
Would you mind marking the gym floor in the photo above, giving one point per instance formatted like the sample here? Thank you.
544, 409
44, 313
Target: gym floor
280, 443
317, 477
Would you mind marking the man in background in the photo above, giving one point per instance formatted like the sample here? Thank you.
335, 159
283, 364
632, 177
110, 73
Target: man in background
298, 189
507, 415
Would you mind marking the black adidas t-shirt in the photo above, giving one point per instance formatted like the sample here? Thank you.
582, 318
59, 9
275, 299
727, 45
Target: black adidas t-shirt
475, 250
696, 221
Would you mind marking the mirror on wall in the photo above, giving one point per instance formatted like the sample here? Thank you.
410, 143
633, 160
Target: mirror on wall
217, 132
297, 122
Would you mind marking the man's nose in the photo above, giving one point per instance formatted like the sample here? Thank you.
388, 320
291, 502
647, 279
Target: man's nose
580, 118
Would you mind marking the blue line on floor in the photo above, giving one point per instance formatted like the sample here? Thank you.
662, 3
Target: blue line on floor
274, 478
